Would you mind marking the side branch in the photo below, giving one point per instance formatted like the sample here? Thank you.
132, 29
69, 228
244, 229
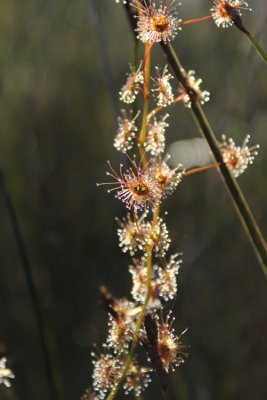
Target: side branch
237, 196
193, 21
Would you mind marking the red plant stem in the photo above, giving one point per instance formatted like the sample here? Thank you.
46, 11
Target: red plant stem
143, 132
192, 21
160, 108
200, 169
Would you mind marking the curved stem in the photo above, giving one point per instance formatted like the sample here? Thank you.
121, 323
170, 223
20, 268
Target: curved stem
239, 24
244, 213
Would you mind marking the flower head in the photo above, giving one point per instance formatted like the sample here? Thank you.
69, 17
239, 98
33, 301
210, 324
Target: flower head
107, 370
132, 86
156, 237
224, 12
136, 187
137, 379
237, 158
125, 133
130, 234
193, 85
162, 88
121, 324
141, 234
156, 23
169, 346
5, 373
138, 270
163, 282
155, 141
166, 280
168, 179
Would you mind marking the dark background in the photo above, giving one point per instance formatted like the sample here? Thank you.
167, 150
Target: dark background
60, 72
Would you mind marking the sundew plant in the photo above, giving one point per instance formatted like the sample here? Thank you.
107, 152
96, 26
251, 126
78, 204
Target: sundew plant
132, 147
142, 341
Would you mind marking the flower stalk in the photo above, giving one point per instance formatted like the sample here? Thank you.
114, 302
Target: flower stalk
142, 139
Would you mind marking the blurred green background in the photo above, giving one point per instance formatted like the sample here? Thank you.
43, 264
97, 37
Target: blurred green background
62, 64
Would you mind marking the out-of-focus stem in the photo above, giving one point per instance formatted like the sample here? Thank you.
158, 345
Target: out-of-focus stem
104, 55
27, 269
239, 201
164, 394
239, 24
257, 46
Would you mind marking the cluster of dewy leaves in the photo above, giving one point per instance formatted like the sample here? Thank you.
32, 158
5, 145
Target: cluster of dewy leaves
109, 364
141, 188
237, 158
164, 350
164, 95
157, 22
225, 12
